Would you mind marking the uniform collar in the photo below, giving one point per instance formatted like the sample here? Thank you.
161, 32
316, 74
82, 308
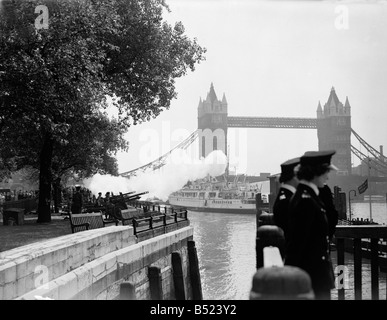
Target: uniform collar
288, 187
311, 185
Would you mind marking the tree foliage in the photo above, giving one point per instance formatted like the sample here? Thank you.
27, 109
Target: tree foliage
54, 81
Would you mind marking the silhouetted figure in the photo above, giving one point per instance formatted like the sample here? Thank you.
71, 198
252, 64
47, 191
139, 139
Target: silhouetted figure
99, 201
77, 202
331, 212
308, 244
288, 186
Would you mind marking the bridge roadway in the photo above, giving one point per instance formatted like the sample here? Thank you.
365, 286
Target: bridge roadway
271, 122
378, 163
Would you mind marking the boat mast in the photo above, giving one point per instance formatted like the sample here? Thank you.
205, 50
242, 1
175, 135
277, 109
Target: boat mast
228, 162
226, 172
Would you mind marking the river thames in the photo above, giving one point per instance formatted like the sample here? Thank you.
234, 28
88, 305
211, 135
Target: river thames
226, 250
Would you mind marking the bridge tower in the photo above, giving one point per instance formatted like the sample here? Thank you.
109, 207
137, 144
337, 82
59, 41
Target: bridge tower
212, 124
334, 131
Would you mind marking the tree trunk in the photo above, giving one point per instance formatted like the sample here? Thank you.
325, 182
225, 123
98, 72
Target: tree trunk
45, 180
57, 195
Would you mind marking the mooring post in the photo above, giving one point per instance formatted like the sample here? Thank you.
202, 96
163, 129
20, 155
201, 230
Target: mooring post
127, 291
155, 284
266, 218
281, 283
268, 235
178, 276
194, 271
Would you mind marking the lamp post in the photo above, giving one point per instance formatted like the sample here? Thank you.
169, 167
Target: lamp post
369, 189
349, 200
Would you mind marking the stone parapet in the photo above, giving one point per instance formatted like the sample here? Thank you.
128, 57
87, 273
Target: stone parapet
25, 268
100, 278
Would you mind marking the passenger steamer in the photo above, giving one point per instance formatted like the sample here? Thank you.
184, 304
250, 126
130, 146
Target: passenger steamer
210, 195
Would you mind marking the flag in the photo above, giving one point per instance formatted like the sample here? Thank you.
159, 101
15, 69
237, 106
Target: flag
363, 187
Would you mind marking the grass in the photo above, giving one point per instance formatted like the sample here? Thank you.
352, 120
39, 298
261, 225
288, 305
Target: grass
16, 236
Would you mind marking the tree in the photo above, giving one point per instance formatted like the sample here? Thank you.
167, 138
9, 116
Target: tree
90, 149
54, 82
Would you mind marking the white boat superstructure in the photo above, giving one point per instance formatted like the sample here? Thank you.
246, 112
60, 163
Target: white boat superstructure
217, 197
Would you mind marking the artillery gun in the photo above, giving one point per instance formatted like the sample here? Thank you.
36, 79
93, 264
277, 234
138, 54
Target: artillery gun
119, 202
123, 198
135, 196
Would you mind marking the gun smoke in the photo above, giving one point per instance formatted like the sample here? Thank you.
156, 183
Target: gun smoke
177, 171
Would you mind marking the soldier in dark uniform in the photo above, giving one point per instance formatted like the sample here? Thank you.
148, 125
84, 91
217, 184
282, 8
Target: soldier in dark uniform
331, 211
77, 202
289, 182
99, 201
308, 238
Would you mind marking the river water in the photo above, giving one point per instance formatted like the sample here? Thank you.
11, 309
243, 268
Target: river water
226, 250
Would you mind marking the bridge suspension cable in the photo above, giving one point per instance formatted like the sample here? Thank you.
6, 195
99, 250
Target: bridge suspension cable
373, 163
159, 162
376, 154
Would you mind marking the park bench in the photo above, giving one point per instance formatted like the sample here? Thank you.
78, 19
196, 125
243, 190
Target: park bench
15, 214
88, 221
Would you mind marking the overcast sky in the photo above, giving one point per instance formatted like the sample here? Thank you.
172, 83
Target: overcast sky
275, 59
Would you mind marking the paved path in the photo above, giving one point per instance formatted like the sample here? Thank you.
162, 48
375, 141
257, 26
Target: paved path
16, 236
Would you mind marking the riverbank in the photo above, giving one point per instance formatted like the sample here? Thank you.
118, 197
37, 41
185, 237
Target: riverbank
226, 252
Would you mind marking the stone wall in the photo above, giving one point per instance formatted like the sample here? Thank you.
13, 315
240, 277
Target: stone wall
92, 265
24, 268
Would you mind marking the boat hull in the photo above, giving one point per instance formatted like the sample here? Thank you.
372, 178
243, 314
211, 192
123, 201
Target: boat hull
222, 210
213, 200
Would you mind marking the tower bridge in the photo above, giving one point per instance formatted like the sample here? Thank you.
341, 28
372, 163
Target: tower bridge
271, 122
333, 124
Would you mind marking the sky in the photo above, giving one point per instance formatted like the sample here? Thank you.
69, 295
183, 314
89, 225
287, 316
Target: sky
270, 58
274, 59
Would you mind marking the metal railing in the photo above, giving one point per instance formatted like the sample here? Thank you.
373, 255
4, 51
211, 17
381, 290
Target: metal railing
147, 207
366, 242
351, 238
157, 221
